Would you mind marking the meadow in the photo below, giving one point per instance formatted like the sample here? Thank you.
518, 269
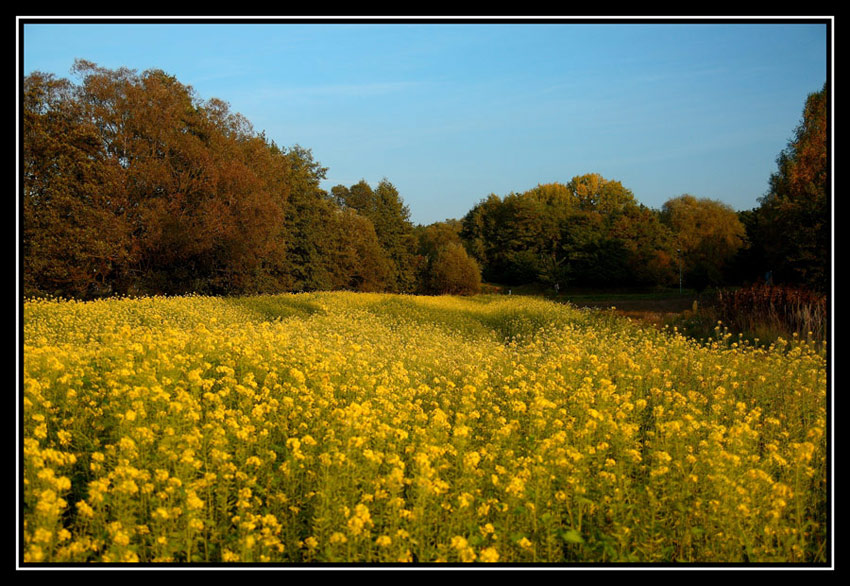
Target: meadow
353, 427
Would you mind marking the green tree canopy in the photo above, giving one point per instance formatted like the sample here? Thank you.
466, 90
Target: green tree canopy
353, 254
708, 234
390, 216
453, 272
595, 193
434, 236
589, 231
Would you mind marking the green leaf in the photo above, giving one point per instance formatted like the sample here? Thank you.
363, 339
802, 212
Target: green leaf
571, 536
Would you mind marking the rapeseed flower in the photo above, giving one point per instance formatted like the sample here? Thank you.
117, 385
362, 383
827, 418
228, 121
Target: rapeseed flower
437, 421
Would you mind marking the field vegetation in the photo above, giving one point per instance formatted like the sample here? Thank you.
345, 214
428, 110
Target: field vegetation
225, 362
337, 427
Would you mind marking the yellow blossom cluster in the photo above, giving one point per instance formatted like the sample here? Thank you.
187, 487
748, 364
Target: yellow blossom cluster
353, 427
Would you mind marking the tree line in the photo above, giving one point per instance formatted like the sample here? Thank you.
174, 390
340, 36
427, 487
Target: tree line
133, 185
592, 231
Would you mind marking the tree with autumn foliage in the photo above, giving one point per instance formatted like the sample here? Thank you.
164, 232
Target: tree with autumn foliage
791, 227
76, 234
134, 185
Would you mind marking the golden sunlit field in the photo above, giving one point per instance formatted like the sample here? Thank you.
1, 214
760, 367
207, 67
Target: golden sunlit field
352, 427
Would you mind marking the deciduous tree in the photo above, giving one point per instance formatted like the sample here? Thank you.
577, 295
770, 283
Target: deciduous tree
75, 233
708, 234
390, 216
793, 224
454, 272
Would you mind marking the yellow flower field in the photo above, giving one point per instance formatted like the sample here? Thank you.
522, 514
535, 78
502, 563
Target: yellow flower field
344, 427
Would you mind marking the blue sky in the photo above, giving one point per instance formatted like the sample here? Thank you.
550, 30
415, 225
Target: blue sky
454, 111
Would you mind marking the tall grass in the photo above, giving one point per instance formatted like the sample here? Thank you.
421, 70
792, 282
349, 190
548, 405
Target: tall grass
766, 308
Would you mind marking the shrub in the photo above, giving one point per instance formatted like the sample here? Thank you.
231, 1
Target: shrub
454, 272
774, 308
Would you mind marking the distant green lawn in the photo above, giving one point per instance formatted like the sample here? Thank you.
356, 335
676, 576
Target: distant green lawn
669, 300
